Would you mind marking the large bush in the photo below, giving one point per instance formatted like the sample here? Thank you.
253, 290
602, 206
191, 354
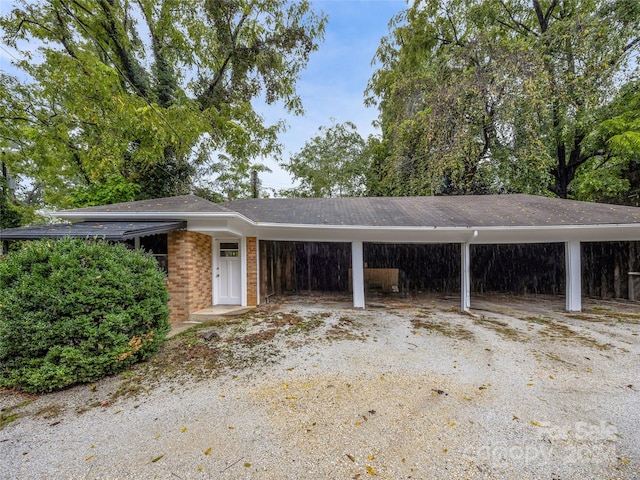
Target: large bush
73, 311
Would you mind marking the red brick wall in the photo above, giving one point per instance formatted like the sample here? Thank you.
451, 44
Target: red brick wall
252, 271
189, 280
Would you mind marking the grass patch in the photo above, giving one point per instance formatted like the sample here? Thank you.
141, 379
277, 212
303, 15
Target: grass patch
503, 329
343, 330
558, 331
422, 322
11, 414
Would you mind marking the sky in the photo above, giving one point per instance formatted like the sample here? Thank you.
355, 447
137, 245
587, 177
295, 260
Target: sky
332, 87
333, 84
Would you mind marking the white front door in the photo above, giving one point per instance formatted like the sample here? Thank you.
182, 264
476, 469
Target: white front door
228, 273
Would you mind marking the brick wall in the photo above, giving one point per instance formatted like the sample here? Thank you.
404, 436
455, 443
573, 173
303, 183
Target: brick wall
189, 280
252, 271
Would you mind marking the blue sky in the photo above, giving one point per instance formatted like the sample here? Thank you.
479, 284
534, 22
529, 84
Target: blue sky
332, 86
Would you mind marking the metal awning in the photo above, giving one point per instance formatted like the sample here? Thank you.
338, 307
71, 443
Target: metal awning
113, 231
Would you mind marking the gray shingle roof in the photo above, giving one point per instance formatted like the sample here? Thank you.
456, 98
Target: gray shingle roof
452, 211
181, 204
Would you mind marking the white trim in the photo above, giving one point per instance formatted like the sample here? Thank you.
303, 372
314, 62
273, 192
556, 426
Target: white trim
465, 277
465, 273
573, 277
215, 269
243, 271
258, 282
396, 234
357, 274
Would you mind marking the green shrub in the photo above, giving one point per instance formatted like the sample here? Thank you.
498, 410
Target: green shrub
73, 311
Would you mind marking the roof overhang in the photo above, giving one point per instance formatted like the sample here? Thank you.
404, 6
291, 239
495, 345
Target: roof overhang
475, 235
107, 230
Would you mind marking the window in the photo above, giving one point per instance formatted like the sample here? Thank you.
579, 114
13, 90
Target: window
156, 245
229, 249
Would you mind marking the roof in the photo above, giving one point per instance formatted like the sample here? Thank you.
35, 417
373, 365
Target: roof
180, 204
453, 211
472, 218
115, 231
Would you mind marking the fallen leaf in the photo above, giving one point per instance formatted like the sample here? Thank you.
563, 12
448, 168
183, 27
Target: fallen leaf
89, 458
350, 457
371, 457
358, 423
624, 461
200, 468
247, 464
183, 429
370, 470
231, 427
535, 424
105, 404
207, 451
156, 459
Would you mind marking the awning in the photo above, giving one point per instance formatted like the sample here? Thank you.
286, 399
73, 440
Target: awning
113, 231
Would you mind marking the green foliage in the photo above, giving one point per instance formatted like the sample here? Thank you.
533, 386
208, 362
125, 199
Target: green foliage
332, 164
114, 189
147, 91
484, 96
74, 311
9, 214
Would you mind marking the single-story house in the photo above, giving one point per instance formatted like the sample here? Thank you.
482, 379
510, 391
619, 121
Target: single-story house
212, 252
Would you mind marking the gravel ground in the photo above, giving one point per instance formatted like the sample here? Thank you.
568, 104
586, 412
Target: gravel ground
309, 388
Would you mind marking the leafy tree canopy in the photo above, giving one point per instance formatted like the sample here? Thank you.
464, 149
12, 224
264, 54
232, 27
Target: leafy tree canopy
334, 163
481, 96
144, 91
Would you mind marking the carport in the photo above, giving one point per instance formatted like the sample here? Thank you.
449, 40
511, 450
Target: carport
225, 248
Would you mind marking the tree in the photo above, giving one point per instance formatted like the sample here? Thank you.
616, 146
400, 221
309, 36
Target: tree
146, 90
612, 174
334, 163
483, 96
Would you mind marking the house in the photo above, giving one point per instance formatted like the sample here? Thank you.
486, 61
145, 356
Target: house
241, 251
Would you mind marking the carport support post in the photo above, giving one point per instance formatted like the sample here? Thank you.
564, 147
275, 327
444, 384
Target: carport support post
357, 274
465, 277
573, 274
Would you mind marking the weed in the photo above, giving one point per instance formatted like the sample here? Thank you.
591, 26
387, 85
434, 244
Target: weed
502, 329
443, 328
50, 411
10, 414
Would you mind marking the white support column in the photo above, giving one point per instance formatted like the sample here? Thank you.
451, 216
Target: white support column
573, 276
465, 277
357, 274
243, 270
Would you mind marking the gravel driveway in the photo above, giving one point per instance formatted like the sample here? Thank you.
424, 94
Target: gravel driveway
309, 388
